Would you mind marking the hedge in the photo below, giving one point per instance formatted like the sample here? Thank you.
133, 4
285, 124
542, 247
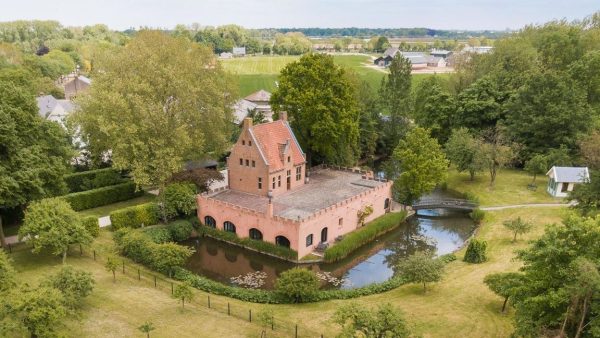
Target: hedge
92, 179
135, 216
101, 196
261, 246
176, 231
364, 235
92, 225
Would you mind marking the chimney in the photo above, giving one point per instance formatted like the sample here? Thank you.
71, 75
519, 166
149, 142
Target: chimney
283, 116
247, 123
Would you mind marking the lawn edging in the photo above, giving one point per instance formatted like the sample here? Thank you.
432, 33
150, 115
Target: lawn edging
364, 235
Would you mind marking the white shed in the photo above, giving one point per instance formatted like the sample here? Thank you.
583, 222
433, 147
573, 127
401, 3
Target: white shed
563, 179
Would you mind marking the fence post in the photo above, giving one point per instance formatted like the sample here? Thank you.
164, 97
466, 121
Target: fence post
209, 301
273, 323
154, 281
250, 315
94, 254
80, 250
296, 331
171, 287
228, 310
139, 276
123, 266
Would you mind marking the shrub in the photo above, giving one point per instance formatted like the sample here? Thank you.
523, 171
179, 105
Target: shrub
135, 216
447, 258
178, 199
159, 234
101, 196
297, 284
167, 256
73, 284
92, 179
476, 251
362, 236
260, 246
92, 225
180, 230
477, 215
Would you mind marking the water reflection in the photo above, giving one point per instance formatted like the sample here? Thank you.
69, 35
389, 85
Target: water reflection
441, 232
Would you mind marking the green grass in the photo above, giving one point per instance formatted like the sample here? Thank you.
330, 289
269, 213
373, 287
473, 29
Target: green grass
257, 64
105, 210
510, 188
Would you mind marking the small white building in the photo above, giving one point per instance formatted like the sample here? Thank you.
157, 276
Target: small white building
563, 179
239, 51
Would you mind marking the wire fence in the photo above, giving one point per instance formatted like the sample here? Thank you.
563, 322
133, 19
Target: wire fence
273, 327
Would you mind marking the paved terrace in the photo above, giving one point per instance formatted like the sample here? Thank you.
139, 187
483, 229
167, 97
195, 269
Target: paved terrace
326, 187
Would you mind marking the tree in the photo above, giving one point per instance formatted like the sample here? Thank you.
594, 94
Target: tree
550, 110
73, 284
39, 310
464, 151
587, 195
321, 105
183, 292
480, 105
178, 199
112, 265
590, 150
537, 165
170, 255
201, 177
383, 321
559, 157
34, 152
504, 284
476, 251
297, 284
52, 224
434, 108
560, 270
266, 318
156, 103
518, 227
395, 98
146, 328
422, 166
7, 273
381, 44
497, 151
421, 268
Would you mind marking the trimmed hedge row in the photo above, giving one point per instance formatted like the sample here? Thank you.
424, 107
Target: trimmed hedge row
261, 246
135, 216
92, 225
362, 236
176, 231
93, 179
101, 196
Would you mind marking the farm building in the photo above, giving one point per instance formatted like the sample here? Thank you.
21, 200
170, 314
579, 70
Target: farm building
563, 179
440, 53
74, 84
271, 196
434, 61
239, 51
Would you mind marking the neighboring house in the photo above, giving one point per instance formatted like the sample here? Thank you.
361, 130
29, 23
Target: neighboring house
269, 196
225, 55
53, 109
239, 51
435, 61
563, 179
241, 109
440, 53
418, 60
74, 84
262, 100
383, 61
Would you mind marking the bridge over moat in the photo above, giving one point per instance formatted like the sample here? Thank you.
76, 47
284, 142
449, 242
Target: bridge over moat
444, 203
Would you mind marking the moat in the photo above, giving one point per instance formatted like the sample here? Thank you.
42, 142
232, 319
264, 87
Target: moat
439, 231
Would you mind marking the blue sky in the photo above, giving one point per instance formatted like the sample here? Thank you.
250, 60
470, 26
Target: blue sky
440, 14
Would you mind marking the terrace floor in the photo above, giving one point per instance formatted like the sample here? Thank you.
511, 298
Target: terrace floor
325, 188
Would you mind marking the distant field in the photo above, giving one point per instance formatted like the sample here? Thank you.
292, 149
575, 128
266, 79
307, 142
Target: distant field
260, 72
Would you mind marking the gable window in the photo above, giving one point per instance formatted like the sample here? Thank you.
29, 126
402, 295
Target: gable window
273, 182
260, 183
309, 240
243, 142
298, 173
279, 181
253, 164
250, 143
241, 162
247, 163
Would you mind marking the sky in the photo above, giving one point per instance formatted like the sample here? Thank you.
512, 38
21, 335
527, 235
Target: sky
437, 14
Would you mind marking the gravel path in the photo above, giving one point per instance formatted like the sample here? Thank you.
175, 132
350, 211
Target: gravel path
534, 205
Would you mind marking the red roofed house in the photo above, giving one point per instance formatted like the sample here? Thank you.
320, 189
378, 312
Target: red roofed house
269, 196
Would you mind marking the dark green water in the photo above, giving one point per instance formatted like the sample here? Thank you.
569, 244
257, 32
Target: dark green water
439, 231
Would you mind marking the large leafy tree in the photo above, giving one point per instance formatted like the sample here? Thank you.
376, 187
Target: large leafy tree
395, 98
590, 150
34, 153
52, 224
7, 273
464, 151
158, 102
422, 165
73, 284
548, 111
434, 108
321, 104
479, 106
421, 268
587, 195
504, 284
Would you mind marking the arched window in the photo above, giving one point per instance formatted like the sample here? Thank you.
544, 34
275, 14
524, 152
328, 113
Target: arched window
386, 204
324, 235
228, 226
282, 241
209, 221
256, 234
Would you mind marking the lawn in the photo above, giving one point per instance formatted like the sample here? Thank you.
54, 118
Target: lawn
510, 188
105, 210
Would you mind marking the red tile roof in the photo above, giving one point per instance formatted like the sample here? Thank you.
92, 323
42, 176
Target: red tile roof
272, 139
